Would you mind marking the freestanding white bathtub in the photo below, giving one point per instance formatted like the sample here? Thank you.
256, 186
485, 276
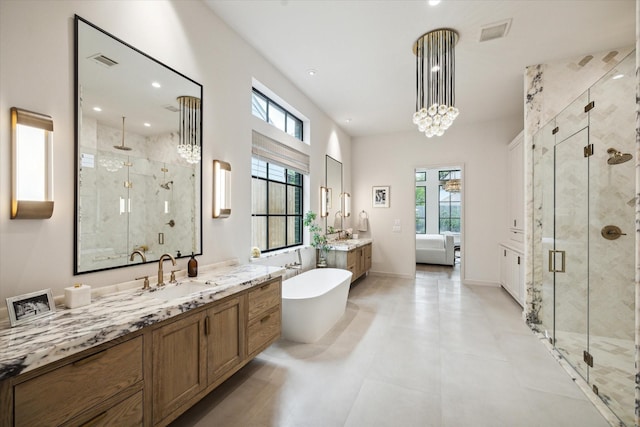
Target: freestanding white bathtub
312, 302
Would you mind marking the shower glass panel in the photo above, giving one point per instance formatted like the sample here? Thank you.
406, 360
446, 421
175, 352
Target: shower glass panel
543, 142
569, 261
583, 236
611, 262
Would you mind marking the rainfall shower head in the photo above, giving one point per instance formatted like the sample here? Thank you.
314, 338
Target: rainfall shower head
166, 185
616, 157
122, 146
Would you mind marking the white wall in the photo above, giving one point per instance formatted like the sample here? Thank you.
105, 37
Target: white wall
480, 149
36, 53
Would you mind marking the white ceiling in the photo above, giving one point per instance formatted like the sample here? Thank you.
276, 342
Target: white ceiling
362, 50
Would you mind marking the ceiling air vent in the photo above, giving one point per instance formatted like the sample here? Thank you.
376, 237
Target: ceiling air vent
171, 108
103, 60
495, 31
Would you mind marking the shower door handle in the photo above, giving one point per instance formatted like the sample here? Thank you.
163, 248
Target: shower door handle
552, 261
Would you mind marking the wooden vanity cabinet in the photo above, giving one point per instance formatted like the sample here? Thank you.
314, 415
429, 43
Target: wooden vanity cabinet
357, 261
151, 376
93, 390
179, 364
195, 354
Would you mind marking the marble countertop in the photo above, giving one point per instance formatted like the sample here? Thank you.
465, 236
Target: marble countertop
70, 331
348, 245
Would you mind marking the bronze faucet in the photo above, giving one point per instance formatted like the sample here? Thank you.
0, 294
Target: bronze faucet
160, 272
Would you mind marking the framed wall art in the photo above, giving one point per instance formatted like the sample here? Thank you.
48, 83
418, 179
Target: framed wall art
380, 197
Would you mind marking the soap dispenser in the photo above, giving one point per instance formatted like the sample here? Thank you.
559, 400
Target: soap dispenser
192, 266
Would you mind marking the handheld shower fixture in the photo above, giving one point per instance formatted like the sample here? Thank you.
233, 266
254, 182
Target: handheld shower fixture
616, 157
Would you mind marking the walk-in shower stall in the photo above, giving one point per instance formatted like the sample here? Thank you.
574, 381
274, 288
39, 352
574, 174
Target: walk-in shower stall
583, 250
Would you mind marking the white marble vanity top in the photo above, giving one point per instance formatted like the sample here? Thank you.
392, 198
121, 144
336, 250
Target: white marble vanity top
69, 331
348, 245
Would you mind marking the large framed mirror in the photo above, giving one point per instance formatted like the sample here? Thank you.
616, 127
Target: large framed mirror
134, 189
333, 182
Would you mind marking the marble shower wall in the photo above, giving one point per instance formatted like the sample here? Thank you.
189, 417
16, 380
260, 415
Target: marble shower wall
123, 205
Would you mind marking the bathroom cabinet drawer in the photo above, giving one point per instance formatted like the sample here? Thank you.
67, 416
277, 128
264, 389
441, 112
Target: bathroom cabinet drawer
263, 298
128, 413
263, 330
57, 396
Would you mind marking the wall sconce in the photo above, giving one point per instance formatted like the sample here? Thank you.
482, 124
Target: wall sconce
31, 165
221, 189
345, 204
324, 202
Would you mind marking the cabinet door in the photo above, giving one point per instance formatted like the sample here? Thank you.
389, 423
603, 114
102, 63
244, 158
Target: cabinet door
179, 364
516, 275
225, 337
367, 257
504, 266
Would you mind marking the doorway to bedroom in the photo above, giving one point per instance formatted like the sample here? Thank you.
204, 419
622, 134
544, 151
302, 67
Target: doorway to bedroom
439, 218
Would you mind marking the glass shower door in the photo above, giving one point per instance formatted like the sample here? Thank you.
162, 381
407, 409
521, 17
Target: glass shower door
569, 260
611, 257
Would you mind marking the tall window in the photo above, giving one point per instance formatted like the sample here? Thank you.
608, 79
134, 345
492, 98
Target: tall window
449, 204
266, 109
421, 203
276, 211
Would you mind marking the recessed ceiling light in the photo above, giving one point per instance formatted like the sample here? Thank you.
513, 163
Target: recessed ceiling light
617, 76
434, 2
312, 72
347, 121
147, 125
98, 109
156, 85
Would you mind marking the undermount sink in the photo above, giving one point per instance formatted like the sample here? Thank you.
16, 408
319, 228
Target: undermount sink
169, 292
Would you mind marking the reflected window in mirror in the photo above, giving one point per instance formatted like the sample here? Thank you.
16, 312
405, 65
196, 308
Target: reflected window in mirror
134, 189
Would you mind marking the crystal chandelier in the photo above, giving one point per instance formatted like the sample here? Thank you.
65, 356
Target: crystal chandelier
435, 81
189, 129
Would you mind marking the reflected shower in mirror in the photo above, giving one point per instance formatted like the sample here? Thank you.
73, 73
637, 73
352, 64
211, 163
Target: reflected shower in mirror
334, 188
134, 190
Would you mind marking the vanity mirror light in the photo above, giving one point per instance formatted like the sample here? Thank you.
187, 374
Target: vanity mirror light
138, 181
31, 165
345, 205
324, 201
221, 189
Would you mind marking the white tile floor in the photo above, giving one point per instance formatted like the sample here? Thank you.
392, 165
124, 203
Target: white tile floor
423, 352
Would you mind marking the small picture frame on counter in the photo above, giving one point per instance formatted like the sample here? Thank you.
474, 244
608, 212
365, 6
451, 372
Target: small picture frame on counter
31, 306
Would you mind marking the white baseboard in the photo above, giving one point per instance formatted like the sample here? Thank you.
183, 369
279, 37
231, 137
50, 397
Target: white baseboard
480, 283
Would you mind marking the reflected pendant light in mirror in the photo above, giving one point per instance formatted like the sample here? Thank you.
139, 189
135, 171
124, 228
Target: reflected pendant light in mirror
189, 128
